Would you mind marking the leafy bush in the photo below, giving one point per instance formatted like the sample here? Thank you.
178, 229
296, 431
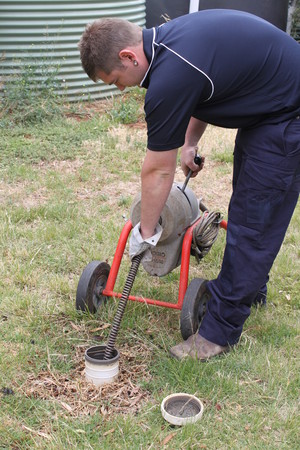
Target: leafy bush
295, 27
127, 107
30, 93
124, 110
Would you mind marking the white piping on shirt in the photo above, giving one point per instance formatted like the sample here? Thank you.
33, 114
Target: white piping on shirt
181, 57
154, 33
195, 67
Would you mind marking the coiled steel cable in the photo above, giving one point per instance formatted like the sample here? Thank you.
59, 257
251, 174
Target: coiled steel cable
205, 233
121, 307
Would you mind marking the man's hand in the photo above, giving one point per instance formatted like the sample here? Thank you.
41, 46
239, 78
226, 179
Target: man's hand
193, 134
138, 245
188, 153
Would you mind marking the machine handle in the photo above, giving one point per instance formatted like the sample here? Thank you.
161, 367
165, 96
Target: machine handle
197, 160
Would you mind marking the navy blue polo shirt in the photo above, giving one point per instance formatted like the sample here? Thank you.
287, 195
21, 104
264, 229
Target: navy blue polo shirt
227, 68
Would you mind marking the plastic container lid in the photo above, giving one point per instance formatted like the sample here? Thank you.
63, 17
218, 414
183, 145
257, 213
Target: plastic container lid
180, 409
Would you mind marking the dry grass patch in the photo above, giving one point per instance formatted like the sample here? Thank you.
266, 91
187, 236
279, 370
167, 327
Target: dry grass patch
14, 193
77, 397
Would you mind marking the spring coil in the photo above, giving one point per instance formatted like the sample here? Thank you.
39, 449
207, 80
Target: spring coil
121, 307
205, 233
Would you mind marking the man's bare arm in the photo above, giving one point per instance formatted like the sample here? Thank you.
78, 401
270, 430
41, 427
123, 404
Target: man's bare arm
157, 178
193, 134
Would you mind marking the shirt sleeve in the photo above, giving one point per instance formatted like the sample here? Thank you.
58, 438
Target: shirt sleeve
174, 92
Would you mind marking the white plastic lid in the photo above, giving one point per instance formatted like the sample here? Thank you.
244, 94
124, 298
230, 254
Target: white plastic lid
180, 409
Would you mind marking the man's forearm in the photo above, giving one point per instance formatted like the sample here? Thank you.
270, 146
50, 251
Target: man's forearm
194, 131
192, 136
157, 179
155, 191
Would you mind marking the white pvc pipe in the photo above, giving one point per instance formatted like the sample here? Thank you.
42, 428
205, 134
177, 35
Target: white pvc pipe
98, 370
194, 6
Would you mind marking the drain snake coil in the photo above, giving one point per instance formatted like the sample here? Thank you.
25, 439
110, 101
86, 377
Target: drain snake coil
121, 306
205, 233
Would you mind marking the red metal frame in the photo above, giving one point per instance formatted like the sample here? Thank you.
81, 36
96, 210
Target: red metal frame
108, 291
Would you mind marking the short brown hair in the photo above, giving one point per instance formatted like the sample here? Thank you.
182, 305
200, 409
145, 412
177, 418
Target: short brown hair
102, 41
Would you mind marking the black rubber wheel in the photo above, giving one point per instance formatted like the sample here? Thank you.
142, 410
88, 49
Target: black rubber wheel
90, 286
194, 307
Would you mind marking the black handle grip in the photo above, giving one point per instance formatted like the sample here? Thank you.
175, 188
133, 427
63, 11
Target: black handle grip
197, 160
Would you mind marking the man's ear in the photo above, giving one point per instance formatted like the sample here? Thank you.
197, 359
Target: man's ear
127, 55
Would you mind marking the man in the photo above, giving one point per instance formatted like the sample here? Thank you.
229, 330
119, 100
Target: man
230, 69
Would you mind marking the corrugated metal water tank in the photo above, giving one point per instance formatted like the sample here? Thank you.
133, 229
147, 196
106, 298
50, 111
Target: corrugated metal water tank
46, 32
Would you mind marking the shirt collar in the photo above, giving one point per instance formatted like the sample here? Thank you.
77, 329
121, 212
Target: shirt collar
148, 46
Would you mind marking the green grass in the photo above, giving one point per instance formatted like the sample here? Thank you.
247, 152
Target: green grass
66, 186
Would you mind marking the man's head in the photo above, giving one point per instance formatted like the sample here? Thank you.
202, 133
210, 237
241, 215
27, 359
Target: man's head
113, 46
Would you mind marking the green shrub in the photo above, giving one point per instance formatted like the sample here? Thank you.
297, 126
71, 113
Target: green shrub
125, 110
30, 93
295, 27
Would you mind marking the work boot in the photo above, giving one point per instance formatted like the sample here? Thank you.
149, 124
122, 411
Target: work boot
197, 347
